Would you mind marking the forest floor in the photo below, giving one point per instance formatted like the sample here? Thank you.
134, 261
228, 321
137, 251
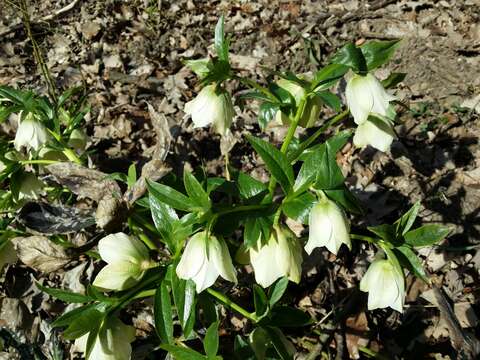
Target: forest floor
129, 54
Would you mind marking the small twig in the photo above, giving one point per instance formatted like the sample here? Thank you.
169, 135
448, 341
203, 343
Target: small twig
45, 18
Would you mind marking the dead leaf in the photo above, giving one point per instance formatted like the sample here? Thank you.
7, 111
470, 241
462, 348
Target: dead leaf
83, 182
356, 334
41, 254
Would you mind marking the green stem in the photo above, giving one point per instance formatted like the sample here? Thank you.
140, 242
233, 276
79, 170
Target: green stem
70, 154
317, 133
232, 305
44, 162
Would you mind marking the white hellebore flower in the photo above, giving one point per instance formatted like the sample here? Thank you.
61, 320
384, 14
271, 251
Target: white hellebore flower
329, 227
112, 342
204, 259
30, 187
31, 133
366, 96
280, 256
375, 132
127, 259
213, 105
385, 284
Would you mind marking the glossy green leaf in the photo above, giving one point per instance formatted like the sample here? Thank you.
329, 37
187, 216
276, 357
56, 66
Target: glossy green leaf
164, 218
170, 196
210, 342
426, 235
384, 231
330, 99
252, 232
327, 76
267, 113
195, 191
404, 224
285, 316
163, 314
184, 299
64, 295
281, 344
329, 175
411, 261
393, 80
182, 353
277, 290
299, 207
249, 187
275, 161
221, 43
377, 53
69, 317
351, 56
87, 320
260, 301
345, 198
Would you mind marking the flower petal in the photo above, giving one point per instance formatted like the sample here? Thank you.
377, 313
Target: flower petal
118, 276
193, 258
219, 255
120, 247
376, 133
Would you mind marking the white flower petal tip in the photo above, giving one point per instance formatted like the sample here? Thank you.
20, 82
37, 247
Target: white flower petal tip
112, 342
328, 226
127, 259
385, 284
204, 259
31, 134
376, 133
213, 105
365, 97
280, 256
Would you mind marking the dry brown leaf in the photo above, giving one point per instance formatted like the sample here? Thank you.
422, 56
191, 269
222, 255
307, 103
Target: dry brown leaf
41, 254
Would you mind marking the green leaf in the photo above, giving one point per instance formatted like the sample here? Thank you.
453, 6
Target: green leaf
195, 191
170, 196
87, 320
163, 314
252, 232
221, 44
281, 344
260, 301
406, 221
92, 337
377, 53
164, 218
330, 99
275, 161
249, 187
64, 295
393, 80
132, 175
182, 353
201, 67
184, 299
327, 76
210, 342
351, 56
267, 113
277, 291
299, 207
426, 235
410, 260
329, 175
344, 197
384, 231
285, 316
69, 317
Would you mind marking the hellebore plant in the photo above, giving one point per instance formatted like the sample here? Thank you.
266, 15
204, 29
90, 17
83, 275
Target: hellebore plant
179, 239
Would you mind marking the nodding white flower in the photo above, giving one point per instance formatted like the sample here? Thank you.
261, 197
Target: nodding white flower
204, 259
280, 256
8, 255
375, 132
384, 281
213, 105
312, 108
30, 187
366, 96
31, 133
78, 140
112, 341
328, 226
127, 259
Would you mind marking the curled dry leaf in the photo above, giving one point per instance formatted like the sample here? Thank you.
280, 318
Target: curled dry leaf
41, 254
110, 214
83, 182
48, 219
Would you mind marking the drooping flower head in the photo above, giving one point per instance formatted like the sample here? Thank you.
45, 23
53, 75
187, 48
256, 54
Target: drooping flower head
204, 259
31, 133
385, 283
127, 259
111, 343
213, 105
280, 256
328, 226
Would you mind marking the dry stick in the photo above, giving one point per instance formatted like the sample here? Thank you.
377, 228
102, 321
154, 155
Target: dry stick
42, 19
37, 52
